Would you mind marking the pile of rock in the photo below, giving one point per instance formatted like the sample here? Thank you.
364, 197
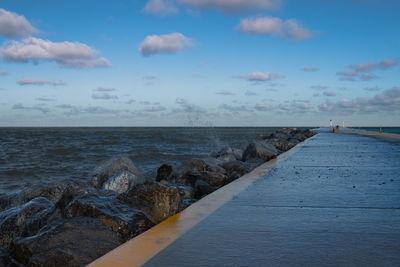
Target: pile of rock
72, 223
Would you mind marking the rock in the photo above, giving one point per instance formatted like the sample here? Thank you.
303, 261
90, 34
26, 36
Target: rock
228, 154
40, 219
261, 150
156, 200
118, 216
122, 181
163, 172
294, 141
110, 167
187, 192
202, 188
188, 173
207, 164
12, 221
233, 176
69, 242
282, 145
3, 259
213, 178
299, 136
73, 190
236, 166
51, 191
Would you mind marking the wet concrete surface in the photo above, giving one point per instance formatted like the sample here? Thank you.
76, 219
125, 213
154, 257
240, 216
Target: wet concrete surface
336, 201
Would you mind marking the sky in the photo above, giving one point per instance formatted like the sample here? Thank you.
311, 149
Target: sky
199, 62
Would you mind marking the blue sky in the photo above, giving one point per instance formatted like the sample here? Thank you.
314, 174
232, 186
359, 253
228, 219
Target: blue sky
199, 62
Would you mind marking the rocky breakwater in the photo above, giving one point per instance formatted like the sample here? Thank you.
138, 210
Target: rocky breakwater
72, 223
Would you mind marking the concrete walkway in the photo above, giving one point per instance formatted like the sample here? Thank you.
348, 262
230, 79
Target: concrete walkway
335, 201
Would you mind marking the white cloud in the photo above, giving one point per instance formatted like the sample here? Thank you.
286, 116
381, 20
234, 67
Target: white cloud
319, 87
388, 101
149, 77
290, 29
361, 70
258, 76
160, 7
371, 66
12, 24
235, 109
234, 6
46, 99
224, 93
66, 54
104, 96
153, 109
104, 89
310, 69
3, 72
32, 81
263, 107
40, 108
186, 107
250, 93
329, 93
167, 44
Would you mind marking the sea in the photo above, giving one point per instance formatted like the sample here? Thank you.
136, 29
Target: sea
32, 156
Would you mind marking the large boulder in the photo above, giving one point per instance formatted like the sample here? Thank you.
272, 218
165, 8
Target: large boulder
236, 166
163, 172
73, 190
120, 217
202, 188
122, 181
68, 242
260, 150
12, 221
156, 200
111, 167
188, 173
51, 191
282, 145
227, 154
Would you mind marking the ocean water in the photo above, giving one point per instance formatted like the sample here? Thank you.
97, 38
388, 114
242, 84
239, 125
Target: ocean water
30, 156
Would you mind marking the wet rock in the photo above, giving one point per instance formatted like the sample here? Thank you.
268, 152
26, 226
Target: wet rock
207, 164
228, 154
163, 172
118, 216
261, 150
110, 167
73, 190
212, 178
122, 181
282, 145
40, 219
236, 166
156, 200
233, 176
51, 191
294, 141
188, 173
12, 221
202, 188
69, 242
187, 192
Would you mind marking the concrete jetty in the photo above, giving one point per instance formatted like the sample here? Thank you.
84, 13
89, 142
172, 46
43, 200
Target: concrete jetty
332, 200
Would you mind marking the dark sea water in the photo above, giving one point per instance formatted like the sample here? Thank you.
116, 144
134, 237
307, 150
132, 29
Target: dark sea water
30, 156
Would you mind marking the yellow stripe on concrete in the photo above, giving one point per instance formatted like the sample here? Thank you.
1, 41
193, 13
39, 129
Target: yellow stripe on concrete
142, 248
